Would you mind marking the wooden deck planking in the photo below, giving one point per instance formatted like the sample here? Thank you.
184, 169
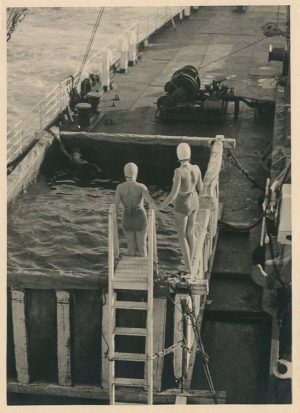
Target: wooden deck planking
130, 395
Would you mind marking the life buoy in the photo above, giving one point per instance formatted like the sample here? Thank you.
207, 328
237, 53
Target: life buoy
282, 369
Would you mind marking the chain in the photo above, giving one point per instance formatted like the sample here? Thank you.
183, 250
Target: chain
236, 163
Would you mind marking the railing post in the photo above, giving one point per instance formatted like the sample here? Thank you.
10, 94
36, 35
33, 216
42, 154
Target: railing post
124, 55
106, 64
132, 44
187, 11
60, 97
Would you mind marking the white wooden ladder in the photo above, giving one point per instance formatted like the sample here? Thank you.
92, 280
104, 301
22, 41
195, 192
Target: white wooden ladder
130, 274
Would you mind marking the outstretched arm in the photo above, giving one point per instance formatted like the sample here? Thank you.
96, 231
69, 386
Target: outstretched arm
148, 198
174, 192
63, 149
117, 200
199, 183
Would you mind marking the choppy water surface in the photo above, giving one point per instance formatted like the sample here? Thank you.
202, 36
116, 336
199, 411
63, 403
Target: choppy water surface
49, 45
62, 226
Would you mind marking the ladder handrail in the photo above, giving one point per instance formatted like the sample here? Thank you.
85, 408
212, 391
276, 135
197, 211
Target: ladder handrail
152, 255
152, 238
113, 242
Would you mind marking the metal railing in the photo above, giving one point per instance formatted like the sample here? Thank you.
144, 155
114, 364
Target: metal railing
21, 135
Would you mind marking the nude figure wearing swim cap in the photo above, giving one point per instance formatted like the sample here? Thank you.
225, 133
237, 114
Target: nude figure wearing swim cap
132, 195
187, 184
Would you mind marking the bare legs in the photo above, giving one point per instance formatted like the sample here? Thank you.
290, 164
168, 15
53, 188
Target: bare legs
185, 225
136, 243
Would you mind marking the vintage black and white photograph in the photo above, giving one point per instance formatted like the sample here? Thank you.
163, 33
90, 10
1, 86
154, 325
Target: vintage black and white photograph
149, 228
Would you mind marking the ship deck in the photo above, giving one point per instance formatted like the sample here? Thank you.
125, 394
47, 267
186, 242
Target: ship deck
220, 43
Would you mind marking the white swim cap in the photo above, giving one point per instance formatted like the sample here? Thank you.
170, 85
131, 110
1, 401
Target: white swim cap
130, 170
183, 151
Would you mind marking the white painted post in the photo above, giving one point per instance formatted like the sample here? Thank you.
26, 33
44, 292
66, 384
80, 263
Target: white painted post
132, 44
187, 11
20, 335
181, 15
124, 55
106, 63
63, 338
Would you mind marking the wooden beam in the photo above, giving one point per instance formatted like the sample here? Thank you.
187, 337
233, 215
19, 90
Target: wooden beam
133, 395
48, 280
159, 323
188, 381
20, 335
181, 399
147, 139
63, 338
104, 344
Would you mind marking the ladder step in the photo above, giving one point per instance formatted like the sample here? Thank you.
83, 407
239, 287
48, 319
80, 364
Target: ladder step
132, 264
132, 271
124, 381
131, 305
130, 356
123, 285
128, 331
134, 259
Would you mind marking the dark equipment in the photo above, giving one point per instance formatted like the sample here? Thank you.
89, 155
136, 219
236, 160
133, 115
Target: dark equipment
84, 110
186, 100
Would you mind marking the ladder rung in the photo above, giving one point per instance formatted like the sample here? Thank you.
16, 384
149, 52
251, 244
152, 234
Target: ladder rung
123, 285
130, 356
129, 331
124, 381
134, 272
131, 305
134, 259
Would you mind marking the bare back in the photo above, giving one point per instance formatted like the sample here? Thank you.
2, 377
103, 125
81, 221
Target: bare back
190, 175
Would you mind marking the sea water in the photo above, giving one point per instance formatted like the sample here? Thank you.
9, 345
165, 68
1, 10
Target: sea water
49, 44
59, 225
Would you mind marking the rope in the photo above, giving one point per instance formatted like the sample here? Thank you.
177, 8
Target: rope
236, 163
16, 15
241, 229
276, 270
85, 57
204, 355
232, 53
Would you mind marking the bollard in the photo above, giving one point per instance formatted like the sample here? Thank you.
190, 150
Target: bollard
106, 64
124, 55
181, 15
187, 11
83, 110
132, 42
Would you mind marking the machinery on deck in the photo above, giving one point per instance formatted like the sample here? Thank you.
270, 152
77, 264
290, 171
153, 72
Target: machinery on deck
185, 99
